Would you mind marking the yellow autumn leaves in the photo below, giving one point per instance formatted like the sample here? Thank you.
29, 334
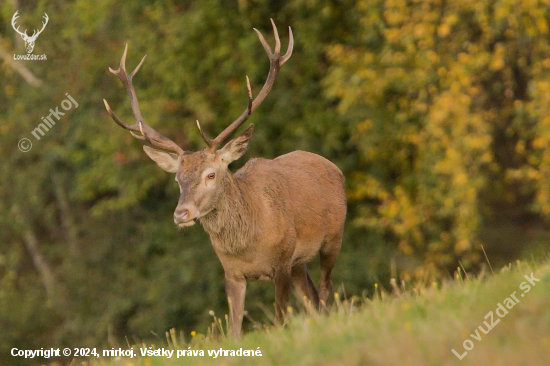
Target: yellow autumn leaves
453, 102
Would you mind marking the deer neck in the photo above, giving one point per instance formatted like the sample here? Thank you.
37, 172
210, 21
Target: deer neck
230, 223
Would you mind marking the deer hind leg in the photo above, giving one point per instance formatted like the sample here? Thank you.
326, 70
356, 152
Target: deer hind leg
329, 252
304, 287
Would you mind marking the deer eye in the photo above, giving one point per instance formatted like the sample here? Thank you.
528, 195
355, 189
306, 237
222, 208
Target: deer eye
211, 176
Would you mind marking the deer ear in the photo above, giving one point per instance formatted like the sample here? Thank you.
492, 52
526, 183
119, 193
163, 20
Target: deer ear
167, 161
236, 148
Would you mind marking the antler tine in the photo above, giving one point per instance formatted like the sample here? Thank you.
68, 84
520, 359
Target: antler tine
288, 53
122, 65
115, 118
275, 63
206, 139
148, 134
277, 40
264, 43
249, 109
133, 73
145, 136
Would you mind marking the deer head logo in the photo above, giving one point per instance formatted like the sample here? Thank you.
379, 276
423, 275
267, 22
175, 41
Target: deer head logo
29, 40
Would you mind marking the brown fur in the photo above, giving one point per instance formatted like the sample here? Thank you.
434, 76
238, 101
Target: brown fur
267, 220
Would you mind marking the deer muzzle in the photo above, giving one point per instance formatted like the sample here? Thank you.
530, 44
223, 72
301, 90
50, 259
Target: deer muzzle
185, 215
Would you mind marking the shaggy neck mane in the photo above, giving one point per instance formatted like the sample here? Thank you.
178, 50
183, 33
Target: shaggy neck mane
229, 224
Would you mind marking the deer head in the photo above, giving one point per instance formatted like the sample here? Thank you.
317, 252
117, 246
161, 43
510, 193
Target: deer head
29, 40
203, 176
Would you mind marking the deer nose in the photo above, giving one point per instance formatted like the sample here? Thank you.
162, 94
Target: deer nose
181, 215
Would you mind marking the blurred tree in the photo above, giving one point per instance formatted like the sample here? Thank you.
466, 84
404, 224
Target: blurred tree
441, 91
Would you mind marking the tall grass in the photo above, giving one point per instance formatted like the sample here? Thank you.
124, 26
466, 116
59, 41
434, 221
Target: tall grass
407, 324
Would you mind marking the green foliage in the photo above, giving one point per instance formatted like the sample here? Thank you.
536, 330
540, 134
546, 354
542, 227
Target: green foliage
437, 112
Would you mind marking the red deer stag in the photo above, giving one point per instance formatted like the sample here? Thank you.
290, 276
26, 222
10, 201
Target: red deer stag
268, 219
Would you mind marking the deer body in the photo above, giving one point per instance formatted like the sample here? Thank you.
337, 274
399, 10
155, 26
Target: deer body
294, 207
267, 220
276, 199
287, 221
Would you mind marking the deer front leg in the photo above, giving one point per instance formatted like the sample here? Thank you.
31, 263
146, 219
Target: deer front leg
283, 284
235, 291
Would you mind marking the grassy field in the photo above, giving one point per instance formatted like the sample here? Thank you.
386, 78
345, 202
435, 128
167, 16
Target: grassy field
411, 327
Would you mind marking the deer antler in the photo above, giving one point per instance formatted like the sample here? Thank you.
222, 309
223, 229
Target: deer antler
15, 16
147, 133
275, 63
